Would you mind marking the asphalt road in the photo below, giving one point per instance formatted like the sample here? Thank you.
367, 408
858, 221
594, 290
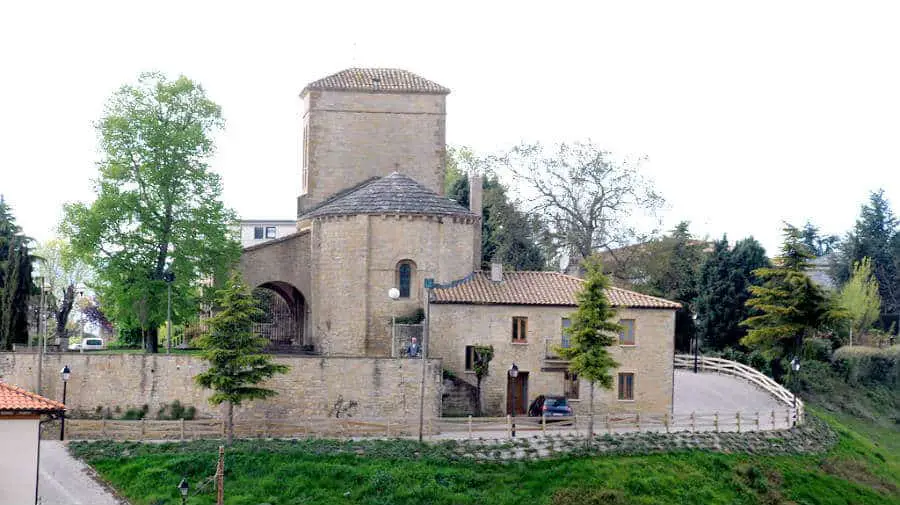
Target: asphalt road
67, 481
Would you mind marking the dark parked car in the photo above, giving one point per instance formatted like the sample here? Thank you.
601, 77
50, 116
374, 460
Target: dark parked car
551, 406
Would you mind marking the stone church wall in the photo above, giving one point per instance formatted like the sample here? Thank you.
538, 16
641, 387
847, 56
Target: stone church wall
286, 260
314, 386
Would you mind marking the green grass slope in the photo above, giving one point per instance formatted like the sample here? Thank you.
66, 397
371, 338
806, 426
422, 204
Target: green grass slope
863, 468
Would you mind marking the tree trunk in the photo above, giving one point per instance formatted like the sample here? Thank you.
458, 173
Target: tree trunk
591, 417
151, 339
62, 316
229, 423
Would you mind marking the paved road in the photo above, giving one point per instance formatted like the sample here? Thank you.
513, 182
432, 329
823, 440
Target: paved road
708, 392
67, 481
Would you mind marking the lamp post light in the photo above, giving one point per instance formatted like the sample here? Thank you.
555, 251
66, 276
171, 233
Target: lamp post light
169, 277
64, 373
513, 373
183, 489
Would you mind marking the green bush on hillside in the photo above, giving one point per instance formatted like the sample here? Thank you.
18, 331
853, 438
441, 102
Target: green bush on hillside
869, 366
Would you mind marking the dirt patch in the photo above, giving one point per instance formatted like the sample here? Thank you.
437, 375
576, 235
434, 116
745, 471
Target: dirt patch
856, 471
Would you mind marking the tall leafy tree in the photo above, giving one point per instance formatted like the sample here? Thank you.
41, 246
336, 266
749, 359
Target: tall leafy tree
158, 205
591, 333
678, 280
517, 239
875, 236
237, 364
65, 276
16, 285
589, 198
723, 288
790, 305
859, 298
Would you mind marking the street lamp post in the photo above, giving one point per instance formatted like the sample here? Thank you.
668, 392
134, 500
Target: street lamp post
513, 373
169, 277
795, 368
394, 294
696, 343
183, 489
64, 373
429, 284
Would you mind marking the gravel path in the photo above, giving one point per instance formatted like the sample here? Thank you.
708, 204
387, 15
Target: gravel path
67, 481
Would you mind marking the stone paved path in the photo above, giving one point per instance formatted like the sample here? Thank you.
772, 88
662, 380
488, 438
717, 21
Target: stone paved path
67, 481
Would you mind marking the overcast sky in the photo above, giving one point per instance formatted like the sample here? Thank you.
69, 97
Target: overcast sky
749, 115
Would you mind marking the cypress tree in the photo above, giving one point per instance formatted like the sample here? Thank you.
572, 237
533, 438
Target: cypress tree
591, 333
16, 285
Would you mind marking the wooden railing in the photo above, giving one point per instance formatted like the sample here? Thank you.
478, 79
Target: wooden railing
433, 428
744, 372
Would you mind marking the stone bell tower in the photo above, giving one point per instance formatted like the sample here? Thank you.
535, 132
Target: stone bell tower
362, 123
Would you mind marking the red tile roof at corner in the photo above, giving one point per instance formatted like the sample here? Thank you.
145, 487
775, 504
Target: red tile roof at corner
16, 399
537, 288
377, 79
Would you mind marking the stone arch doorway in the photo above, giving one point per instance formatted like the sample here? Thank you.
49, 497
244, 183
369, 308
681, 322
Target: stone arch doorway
284, 316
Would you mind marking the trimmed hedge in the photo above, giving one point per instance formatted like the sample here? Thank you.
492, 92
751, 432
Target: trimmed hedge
868, 366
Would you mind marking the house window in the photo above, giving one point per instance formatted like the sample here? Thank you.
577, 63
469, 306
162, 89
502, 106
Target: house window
626, 336
270, 232
520, 329
626, 386
470, 358
570, 385
566, 340
257, 232
404, 277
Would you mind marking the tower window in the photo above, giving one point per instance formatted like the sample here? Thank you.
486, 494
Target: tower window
405, 271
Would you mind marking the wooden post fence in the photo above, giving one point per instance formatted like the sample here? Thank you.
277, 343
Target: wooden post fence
737, 417
220, 477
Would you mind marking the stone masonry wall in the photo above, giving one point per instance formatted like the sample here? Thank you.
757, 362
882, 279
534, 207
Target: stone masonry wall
356, 135
380, 388
454, 326
285, 260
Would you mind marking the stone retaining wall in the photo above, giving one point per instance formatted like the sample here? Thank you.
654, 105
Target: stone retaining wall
314, 386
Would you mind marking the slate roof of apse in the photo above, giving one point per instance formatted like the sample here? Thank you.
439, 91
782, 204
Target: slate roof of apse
393, 194
16, 399
536, 288
377, 79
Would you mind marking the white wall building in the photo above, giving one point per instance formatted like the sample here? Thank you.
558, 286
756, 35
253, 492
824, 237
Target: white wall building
20, 421
257, 231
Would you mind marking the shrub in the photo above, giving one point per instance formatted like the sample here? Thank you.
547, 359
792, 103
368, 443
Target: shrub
134, 414
176, 411
587, 496
818, 349
869, 365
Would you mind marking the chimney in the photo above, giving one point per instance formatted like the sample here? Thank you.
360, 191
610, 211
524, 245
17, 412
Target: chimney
496, 271
475, 197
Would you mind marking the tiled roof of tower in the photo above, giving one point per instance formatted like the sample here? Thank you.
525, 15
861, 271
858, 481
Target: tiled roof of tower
16, 399
536, 288
394, 194
386, 80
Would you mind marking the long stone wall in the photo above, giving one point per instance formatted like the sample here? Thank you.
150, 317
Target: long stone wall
314, 386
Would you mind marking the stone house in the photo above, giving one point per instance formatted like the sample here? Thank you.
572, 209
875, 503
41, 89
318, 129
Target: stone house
522, 315
372, 216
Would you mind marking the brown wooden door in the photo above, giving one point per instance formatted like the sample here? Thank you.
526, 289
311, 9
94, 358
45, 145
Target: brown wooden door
517, 390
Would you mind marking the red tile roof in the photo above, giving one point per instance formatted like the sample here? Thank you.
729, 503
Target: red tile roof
16, 399
536, 288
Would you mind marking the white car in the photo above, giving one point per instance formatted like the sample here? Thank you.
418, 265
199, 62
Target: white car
88, 344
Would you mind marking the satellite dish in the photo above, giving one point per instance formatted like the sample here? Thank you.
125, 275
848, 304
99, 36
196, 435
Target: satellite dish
394, 293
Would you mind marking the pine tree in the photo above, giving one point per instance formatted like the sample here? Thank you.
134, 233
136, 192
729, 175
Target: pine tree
235, 353
791, 306
591, 333
678, 279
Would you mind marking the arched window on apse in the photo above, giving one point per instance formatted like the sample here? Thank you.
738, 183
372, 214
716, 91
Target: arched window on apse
405, 271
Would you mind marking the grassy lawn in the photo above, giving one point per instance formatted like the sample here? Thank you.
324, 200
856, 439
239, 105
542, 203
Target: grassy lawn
863, 468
